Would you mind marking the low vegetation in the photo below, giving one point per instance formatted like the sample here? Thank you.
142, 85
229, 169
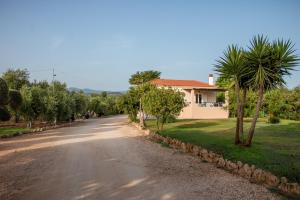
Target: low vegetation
12, 131
276, 147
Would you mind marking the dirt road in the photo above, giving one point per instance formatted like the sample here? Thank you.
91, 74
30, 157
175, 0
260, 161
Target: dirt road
108, 159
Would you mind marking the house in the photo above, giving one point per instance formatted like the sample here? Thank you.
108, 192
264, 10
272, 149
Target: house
201, 98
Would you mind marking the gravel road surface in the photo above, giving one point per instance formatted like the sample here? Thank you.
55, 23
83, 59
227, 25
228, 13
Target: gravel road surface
108, 159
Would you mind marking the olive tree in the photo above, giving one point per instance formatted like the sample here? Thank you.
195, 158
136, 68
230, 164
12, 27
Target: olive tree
16, 78
15, 102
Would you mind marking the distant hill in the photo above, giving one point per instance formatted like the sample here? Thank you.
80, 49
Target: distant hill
91, 91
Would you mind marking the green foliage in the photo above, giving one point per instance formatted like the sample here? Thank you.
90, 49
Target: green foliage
12, 131
50, 102
15, 99
3, 92
163, 104
16, 78
220, 97
4, 114
15, 102
273, 120
261, 68
81, 103
143, 77
129, 103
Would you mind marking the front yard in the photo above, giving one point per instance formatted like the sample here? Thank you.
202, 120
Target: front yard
276, 147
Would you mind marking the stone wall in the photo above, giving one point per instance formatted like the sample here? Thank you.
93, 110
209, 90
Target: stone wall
245, 170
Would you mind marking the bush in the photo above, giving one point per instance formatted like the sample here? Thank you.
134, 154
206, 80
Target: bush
274, 120
3, 92
171, 119
4, 114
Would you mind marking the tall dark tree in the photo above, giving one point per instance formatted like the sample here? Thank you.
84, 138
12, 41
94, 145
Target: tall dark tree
4, 99
3, 92
15, 102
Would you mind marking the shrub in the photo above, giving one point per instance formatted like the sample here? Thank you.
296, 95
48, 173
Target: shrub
274, 120
171, 119
4, 114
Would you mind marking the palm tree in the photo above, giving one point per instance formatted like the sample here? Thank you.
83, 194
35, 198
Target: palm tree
268, 63
232, 67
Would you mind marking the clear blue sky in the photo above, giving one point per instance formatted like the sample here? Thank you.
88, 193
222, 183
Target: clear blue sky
99, 44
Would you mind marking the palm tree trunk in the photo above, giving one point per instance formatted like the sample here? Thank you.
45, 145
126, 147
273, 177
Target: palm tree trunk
237, 130
243, 102
254, 120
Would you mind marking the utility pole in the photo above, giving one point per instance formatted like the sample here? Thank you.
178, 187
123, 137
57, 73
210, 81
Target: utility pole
53, 75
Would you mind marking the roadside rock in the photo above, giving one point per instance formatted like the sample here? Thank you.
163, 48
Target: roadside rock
271, 180
245, 171
195, 150
221, 163
258, 176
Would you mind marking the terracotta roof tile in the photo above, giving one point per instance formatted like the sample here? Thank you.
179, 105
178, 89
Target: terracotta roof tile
186, 83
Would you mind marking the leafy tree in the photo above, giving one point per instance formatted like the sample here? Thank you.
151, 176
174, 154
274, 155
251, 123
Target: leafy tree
3, 92
4, 99
144, 77
51, 108
163, 104
15, 102
16, 78
26, 108
96, 106
139, 79
130, 103
81, 103
268, 63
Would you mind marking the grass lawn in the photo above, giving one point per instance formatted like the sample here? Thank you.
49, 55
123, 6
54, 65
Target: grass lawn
276, 147
11, 131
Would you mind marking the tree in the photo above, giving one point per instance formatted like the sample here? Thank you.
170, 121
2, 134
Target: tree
4, 99
26, 108
95, 105
15, 102
16, 78
268, 63
81, 103
163, 104
140, 78
231, 68
129, 103
3, 92
144, 77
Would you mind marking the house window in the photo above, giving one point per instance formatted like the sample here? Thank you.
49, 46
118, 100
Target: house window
198, 98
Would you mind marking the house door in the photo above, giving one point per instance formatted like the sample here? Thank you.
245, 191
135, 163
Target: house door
198, 98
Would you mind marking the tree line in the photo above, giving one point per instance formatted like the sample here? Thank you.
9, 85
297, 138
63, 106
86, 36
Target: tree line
48, 102
279, 103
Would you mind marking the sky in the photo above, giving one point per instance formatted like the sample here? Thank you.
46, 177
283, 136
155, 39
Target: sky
99, 44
